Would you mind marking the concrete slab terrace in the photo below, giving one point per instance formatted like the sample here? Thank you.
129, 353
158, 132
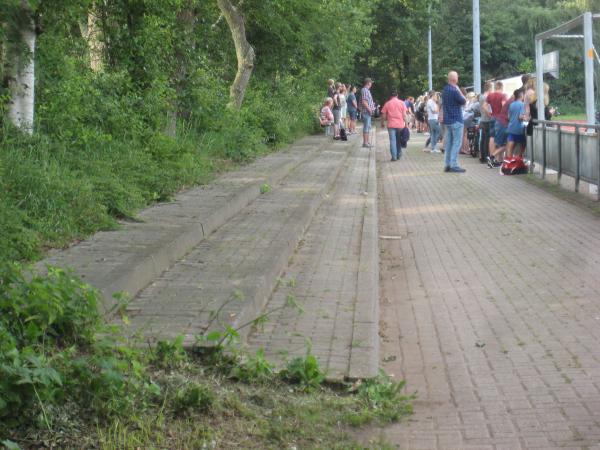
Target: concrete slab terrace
129, 258
227, 279
333, 277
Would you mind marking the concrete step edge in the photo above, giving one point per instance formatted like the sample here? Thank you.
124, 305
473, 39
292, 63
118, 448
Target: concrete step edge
133, 278
268, 281
364, 355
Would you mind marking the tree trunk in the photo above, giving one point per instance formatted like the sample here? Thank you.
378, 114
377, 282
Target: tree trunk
186, 19
91, 33
244, 52
22, 81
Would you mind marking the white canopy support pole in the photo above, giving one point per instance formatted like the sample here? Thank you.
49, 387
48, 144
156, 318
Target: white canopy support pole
476, 49
590, 107
539, 77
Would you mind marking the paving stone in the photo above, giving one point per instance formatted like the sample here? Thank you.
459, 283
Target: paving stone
491, 259
129, 258
227, 278
335, 280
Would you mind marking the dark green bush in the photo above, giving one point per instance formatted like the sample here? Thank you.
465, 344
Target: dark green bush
50, 353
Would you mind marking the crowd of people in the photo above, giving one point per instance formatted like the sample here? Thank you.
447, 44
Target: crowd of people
504, 121
342, 107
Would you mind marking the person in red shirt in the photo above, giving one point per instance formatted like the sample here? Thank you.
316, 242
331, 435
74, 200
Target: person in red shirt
501, 134
496, 100
394, 113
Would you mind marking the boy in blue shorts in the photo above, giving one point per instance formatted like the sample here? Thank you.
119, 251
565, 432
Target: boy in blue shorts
516, 128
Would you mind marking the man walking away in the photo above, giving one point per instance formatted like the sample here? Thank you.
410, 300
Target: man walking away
394, 112
452, 104
367, 107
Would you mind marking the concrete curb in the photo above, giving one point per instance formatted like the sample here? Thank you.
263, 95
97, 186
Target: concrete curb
141, 269
364, 355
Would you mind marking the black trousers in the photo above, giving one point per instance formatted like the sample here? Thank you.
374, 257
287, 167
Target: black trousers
484, 142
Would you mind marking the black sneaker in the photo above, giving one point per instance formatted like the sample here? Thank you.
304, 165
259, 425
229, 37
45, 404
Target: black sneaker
490, 162
447, 169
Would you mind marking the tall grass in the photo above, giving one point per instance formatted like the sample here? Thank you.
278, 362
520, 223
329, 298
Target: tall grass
100, 154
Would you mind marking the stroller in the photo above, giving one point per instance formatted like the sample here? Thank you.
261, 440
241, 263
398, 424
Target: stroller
473, 138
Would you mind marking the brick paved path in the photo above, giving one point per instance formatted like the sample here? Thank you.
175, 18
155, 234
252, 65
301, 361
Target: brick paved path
490, 308
324, 277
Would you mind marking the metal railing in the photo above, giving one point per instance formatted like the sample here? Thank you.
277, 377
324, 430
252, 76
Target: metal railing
571, 149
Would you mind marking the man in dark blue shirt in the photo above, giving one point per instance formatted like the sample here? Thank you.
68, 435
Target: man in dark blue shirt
452, 102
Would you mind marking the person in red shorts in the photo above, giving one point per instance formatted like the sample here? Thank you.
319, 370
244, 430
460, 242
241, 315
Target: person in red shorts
496, 99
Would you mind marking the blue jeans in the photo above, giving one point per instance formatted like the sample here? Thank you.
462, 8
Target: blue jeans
395, 148
435, 130
454, 137
366, 118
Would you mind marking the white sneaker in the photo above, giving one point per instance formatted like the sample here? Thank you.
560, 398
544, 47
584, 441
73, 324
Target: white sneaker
436, 151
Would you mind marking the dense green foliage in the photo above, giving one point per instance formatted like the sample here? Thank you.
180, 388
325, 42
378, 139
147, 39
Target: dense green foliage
63, 371
398, 56
153, 120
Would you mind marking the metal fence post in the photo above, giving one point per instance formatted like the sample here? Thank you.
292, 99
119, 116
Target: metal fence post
598, 175
531, 160
577, 156
559, 154
543, 150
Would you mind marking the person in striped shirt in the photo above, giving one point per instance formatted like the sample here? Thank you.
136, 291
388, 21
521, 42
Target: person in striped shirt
367, 107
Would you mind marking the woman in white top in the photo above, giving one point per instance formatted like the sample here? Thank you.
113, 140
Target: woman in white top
344, 105
433, 111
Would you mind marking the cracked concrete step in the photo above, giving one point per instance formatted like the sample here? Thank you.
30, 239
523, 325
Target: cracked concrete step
334, 278
235, 269
128, 259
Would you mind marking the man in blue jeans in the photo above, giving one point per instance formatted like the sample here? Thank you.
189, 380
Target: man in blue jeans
452, 102
367, 108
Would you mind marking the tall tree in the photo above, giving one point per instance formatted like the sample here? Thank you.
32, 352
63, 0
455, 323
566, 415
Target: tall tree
243, 50
18, 17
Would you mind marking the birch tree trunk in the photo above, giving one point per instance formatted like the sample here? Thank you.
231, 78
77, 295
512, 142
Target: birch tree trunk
22, 82
243, 50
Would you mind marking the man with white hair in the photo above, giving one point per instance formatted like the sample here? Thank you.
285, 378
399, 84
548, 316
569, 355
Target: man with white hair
452, 102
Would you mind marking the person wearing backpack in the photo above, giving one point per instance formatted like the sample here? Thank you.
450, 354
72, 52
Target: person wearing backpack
420, 114
394, 113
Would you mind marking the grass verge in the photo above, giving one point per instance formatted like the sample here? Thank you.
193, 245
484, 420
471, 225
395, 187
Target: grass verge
576, 198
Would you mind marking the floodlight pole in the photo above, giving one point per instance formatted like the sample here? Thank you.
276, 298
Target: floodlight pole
476, 49
429, 58
588, 48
